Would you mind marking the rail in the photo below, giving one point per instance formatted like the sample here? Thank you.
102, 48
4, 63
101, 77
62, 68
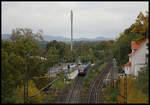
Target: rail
47, 86
95, 88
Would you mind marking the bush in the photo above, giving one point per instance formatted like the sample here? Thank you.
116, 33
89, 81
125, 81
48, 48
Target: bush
111, 93
142, 80
32, 89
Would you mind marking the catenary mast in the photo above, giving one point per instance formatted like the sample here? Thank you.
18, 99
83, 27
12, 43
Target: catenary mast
71, 16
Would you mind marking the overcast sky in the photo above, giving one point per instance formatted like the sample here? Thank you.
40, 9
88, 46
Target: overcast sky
91, 19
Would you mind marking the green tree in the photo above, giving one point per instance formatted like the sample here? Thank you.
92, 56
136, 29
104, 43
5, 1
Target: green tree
142, 26
15, 60
26, 33
142, 80
122, 47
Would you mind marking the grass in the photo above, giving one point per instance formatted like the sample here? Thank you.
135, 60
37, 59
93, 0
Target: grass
110, 93
134, 95
93, 73
58, 88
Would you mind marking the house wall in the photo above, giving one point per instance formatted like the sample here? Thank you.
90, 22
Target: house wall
127, 69
133, 50
138, 59
137, 69
130, 59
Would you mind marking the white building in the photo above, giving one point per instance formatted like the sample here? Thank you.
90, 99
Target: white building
137, 58
127, 67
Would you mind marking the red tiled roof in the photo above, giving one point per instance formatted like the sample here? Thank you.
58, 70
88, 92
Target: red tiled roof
136, 46
131, 53
128, 64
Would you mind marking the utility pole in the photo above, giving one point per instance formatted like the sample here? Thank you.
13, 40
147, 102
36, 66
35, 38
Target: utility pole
26, 79
71, 16
26, 83
113, 71
125, 89
25, 88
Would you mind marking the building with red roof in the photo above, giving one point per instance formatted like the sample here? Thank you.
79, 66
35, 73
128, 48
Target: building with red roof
137, 58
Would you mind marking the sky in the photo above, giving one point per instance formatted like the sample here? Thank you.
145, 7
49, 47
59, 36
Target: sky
90, 19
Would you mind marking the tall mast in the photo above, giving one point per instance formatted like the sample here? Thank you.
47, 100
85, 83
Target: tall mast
71, 16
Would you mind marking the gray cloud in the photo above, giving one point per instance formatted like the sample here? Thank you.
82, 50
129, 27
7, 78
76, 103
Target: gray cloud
91, 19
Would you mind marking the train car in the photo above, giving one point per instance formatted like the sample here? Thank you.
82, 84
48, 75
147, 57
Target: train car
81, 71
87, 66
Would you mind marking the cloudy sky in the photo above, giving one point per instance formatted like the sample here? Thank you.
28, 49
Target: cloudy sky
91, 19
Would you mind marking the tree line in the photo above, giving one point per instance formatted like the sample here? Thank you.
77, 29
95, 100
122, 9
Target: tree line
23, 52
138, 31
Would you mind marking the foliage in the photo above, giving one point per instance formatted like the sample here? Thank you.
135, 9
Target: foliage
8, 95
142, 80
22, 53
111, 93
26, 33
134, 94
142, 25
89, 78
56, 52
31, 91
85, 51
17, 55
103, 49
137, 31
122, 47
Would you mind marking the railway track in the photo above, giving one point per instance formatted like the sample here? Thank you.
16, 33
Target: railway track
95, 94
74, 94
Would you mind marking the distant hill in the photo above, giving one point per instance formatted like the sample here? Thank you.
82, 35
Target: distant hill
5, 36
60, 38
102, 38
45, 37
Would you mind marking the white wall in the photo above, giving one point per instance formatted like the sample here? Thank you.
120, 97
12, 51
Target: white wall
137, 69
138, 58
130, 59
127, 69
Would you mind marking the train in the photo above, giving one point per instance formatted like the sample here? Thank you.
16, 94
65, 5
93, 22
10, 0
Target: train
82, 69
